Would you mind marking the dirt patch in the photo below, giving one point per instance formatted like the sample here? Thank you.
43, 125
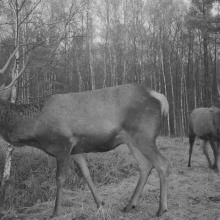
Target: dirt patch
194, 193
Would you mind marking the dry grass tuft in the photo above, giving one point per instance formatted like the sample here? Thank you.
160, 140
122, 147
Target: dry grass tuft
104, 213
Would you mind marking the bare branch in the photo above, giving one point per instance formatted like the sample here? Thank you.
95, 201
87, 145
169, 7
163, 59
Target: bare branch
22, 5
29, 13
66, 23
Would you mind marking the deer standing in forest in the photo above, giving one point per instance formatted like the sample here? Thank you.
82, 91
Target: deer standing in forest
205, 124
93, 121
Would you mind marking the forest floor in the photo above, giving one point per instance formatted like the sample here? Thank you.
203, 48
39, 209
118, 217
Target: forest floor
194, 193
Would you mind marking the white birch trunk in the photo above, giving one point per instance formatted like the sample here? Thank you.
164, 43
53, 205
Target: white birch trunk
124, 74
165, 88
181, 99
172, 94
90, 42
7, 167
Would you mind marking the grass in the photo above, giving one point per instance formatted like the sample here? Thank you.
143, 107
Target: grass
193, 192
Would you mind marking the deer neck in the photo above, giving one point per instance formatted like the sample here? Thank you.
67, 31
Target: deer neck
14, 125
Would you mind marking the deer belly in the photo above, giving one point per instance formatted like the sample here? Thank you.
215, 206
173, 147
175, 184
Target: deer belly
98, 143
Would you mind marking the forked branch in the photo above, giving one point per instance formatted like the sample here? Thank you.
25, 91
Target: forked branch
8, 61
5, 91
19, 74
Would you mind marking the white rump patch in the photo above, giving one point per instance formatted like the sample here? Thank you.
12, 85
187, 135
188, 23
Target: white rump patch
163, 101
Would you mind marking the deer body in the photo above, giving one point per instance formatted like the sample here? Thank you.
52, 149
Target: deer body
89, 125
94, 121
205, 124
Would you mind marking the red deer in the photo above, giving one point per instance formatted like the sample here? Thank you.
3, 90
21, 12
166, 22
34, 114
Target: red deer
205, 124
94, 121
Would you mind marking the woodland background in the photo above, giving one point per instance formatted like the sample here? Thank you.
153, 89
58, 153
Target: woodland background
172, 46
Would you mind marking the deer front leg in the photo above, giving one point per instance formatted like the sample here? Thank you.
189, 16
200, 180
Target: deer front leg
80, 160
62, 167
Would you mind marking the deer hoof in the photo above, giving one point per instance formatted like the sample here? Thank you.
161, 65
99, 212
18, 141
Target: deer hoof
55, 214
52, 216
160, 212
129, 207
215, 167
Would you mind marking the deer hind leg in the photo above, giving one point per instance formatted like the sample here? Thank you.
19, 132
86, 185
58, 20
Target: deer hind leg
215, 149
217, 154
191, 142
145, 168
146, 145
161, 164
205, 151
81, 161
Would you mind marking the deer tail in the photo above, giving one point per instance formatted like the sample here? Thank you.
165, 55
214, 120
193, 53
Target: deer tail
163, 101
